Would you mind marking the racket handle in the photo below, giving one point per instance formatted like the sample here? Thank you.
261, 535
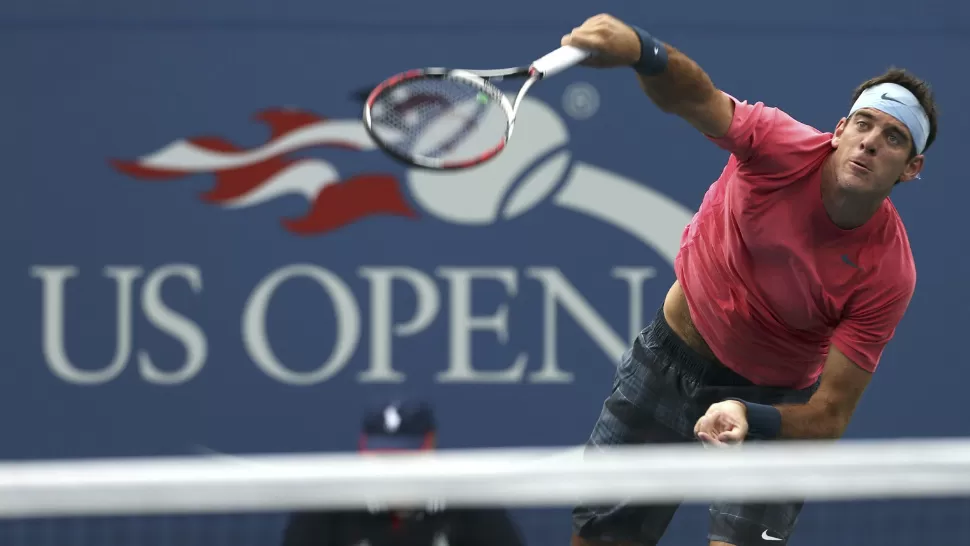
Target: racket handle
559, 60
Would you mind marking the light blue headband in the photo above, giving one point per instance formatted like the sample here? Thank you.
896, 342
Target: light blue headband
900, 103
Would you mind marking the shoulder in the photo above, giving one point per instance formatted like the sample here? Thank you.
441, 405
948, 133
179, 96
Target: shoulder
770, 118
767, 138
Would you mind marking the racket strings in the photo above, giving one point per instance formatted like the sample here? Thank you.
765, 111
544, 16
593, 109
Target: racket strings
439, 119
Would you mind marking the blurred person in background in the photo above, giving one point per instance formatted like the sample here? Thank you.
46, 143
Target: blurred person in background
401, 427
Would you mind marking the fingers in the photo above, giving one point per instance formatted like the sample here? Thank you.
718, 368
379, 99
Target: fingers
718, 429
706, 430
604, 36
704, 425
597, 59
595, 33
720, 438
733, 436
584, 39
707, 439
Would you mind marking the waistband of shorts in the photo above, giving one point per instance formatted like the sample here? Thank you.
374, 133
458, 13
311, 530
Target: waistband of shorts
688, 361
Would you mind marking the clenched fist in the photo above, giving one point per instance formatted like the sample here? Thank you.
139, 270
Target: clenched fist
724, 423
611, 41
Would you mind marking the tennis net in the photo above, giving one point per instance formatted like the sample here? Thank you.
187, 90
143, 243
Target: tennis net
859, 492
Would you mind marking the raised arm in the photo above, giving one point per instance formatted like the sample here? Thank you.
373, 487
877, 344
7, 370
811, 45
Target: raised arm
675, 83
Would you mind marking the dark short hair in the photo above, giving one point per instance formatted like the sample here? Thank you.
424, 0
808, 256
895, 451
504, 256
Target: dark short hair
918, 87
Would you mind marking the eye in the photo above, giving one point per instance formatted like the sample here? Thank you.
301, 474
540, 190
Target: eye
861, 124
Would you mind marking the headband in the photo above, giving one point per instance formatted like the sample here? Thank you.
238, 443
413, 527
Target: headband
900, 103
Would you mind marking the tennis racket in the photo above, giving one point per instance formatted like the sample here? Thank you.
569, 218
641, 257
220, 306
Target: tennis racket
442, 119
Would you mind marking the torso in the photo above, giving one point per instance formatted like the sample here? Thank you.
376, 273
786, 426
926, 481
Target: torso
677, 314
766, 282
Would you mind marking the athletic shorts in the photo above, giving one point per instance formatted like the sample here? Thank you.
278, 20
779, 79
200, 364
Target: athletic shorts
660, 390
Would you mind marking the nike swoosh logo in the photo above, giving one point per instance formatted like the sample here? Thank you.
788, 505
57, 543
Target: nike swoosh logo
766, 536
887, 97
848, 261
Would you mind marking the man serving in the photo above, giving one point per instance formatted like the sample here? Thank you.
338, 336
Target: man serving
791, 279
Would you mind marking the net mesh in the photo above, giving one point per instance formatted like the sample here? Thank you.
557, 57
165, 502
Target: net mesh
439, 119
876, 493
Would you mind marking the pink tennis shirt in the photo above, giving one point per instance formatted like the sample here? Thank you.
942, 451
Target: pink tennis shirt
770, 281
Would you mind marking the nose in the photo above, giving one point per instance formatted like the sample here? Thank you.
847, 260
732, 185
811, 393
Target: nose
868, 143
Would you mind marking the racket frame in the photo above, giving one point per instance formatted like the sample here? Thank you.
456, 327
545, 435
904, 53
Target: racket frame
551, 63
480, 79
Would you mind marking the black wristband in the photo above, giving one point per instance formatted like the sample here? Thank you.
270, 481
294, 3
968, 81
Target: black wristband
653, 54
764, 422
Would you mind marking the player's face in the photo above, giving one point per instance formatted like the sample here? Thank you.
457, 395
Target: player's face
873, 152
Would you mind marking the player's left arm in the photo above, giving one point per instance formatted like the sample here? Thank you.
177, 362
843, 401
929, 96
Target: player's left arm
825, 416
828, 412
854, 354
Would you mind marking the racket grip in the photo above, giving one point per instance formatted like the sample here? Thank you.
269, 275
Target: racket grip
559, 60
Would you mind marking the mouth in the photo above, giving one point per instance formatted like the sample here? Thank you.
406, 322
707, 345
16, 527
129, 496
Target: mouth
861, 166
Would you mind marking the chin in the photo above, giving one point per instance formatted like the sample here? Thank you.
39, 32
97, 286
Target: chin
851, 183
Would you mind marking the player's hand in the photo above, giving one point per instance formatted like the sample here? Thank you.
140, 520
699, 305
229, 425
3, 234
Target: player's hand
724, 423
612, 42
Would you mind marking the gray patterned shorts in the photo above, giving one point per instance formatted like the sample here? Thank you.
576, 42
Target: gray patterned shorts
660, 389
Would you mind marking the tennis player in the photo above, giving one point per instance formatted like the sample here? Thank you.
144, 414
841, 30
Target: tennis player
791, 279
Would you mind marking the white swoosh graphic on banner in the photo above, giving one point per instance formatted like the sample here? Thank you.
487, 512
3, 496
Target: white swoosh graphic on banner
650, 216
183, 155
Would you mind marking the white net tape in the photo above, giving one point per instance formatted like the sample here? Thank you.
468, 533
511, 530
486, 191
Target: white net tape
518, 477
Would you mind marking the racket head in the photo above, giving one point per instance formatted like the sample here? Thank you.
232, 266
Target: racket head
440, 119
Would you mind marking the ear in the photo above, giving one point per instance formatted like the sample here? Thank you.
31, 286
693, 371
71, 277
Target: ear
912, 169
837, 134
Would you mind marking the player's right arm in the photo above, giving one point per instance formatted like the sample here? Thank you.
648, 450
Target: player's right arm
685, 90
681, 87
770, 146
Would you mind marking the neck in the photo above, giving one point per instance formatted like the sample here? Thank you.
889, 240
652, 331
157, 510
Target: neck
847, 210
